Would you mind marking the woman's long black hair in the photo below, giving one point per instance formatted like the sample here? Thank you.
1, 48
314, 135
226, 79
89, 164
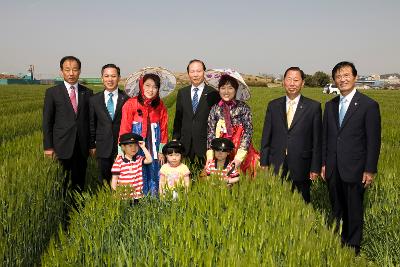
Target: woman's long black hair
156, 101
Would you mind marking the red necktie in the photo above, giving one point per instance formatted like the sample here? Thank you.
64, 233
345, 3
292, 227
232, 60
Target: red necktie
72, 97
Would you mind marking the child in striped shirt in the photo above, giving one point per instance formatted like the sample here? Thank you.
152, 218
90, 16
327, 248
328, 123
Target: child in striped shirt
127, 168
220, 165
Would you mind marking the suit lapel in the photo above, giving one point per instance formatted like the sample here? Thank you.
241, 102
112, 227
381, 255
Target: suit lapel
301, 106
81, 95
282, 110
187, 98
102, 104
335, 108
67, 100
354, 104
120, 101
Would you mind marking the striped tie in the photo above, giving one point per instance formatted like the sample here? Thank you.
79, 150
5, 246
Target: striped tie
72, 97
195, 100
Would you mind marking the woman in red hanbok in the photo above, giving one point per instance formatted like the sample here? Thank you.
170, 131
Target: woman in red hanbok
146, 115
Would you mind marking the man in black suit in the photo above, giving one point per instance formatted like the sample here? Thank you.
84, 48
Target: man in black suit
66, 123
105, 120
291, 136
193, 105
351, 142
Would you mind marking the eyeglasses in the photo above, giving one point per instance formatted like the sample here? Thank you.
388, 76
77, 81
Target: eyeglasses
345, 76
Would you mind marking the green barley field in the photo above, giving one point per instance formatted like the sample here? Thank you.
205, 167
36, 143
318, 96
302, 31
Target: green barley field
257, 223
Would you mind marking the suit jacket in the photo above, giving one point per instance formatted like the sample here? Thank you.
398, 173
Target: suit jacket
104, 131
61, 126
190, 126
302, 140
354, 147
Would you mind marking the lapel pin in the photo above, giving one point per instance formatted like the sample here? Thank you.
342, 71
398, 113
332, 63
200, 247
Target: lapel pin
355, 104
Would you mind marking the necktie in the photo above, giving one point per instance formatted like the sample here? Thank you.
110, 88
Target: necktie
290, 113
342, 111
72, 97
195, 100
110, 105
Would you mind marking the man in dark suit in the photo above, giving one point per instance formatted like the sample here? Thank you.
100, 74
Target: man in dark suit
291, 136
193, 105
66, 123
105, 120
351, 142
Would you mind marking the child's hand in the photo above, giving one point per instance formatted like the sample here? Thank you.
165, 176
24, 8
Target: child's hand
203, 175
236, 163
142, 144
208, 161
161, 158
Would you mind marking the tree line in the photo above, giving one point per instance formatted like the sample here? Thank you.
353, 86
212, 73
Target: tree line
318, 79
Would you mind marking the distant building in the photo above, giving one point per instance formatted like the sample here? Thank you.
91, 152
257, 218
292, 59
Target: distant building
367, 82
393, 79
82, 80
374, 77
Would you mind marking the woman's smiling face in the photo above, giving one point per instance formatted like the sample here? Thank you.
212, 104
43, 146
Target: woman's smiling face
227, 92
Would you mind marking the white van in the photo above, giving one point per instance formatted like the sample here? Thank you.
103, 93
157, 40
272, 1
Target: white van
330, 89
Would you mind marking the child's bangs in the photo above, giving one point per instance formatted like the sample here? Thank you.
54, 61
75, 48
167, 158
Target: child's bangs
172, 150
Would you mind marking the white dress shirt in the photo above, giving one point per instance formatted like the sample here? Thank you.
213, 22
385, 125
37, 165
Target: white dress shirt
199, 92
296, 102
114, 97
348, 98
68, 86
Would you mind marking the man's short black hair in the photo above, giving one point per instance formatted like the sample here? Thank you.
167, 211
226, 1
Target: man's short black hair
343, 64
113, 66
72, 58
295, 69
196, 60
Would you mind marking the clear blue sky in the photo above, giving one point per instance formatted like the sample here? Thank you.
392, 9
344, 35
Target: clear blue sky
250, 36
